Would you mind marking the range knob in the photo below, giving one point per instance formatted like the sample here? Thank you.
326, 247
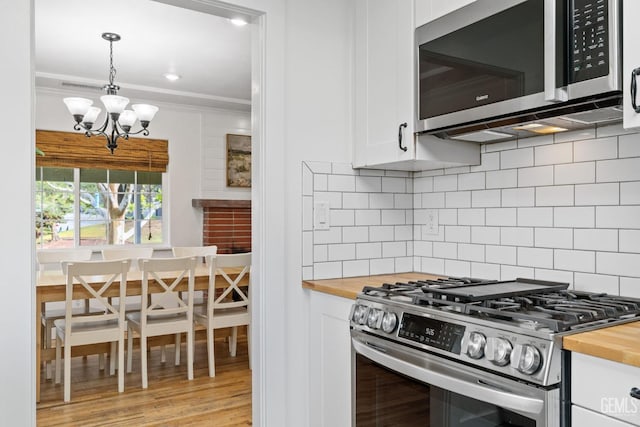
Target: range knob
360, 314
526, 359
374, 318
389, 322
498, 351
475, 347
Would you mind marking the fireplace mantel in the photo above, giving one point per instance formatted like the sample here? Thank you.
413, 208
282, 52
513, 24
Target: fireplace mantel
220, 203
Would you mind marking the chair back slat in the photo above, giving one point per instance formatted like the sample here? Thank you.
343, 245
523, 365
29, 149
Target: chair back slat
217, 266
127, 252
201, 252
52, 258
95, 278
167, 302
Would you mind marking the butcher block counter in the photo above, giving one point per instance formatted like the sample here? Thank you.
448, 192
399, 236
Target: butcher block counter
350, 287
616, 343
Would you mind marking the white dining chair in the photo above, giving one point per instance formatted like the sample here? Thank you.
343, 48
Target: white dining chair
201, 253
51, 260
166, 315
84, 329
223, 310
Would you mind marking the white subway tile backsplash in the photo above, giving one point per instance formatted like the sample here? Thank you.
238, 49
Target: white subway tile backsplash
355, 200
355, 234
618, 263
485, 271
577, 217
381, 201
471, 181
535, 141
355, 268
471, 216
597, 194
618, 170
501, 216
612, 130
341, 183
393, 217
368, 184
445, 250
327, 270
367, 217
554, 275
488, 162
448, 216
383, 233
518, 197
445, 183
596, 149
333, 198
341, 217
320, 253
403, 201
423, 184
371, 172
394, 185
403, 264
630, 193
500, 146
458, 199
456, 233
457, 268
397, 173
535, 257
575, 173
344, 169
485, 198
341, 252
502, 179
516, 236
468, 252
576, 135
630, 287
500, 254
630, 242
382, 266
394, 249
423, 249
559, 195
332, 235
530, 177
596, 283
307, 180
629, 145
510, 272
457, 170
554, 154
584, 261
307, 248
618, 217
535, 217
319, 167
560, 238
307, 273
403, 232
368, 250
595, 239
486, 235
320, 182
519, 158
433, 200
432, 265
307, 213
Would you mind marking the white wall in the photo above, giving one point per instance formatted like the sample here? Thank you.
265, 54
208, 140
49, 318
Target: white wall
196, 155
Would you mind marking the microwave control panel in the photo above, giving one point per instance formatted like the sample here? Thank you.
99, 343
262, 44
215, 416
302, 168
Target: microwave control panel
589, 40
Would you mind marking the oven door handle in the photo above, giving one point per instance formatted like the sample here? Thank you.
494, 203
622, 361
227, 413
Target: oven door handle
480, 391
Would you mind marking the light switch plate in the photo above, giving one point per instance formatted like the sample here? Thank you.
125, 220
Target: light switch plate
431, 222
321, 216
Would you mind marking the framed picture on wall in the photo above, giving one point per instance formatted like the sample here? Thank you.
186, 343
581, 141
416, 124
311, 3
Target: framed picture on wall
238, 160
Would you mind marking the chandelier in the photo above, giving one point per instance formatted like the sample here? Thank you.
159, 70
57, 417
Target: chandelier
118, 121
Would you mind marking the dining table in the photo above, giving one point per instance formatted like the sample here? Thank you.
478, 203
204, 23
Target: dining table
51, 287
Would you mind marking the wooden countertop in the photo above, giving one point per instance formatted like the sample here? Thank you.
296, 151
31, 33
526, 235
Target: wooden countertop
617, 343
350, 287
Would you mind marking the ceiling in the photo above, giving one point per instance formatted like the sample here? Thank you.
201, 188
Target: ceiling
212, 55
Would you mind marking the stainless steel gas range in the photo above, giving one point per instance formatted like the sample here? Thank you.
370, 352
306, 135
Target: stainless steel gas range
466, 352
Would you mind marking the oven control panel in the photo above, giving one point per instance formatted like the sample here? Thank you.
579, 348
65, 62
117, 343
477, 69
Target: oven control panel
434, 333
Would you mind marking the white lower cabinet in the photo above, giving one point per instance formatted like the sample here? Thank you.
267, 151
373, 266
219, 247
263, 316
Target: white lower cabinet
329, 361
600, 392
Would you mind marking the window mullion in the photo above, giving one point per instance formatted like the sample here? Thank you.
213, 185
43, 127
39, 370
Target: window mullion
76, 207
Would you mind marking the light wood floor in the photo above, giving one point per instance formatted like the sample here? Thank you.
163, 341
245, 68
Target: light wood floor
170, 399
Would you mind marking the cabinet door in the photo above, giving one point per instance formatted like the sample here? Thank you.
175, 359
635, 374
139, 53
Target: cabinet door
329, 360
581, 417
428, 10
384, 82
630, 60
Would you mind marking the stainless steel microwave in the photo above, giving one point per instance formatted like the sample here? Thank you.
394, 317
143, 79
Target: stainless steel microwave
502, 62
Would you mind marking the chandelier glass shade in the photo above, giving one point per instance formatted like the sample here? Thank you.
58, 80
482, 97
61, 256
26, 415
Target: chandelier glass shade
118, 120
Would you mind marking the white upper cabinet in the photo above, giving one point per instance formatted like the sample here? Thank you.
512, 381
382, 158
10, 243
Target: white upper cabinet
384, 81
385, 88
630, 61
428, 10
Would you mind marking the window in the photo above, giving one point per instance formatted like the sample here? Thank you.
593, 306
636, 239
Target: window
97, 207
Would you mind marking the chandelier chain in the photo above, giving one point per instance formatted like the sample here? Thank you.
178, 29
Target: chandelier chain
112, 70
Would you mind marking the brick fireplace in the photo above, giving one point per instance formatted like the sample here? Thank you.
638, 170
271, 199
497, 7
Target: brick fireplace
226, 224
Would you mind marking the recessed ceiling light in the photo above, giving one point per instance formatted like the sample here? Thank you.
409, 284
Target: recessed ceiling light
238, 22
172, 76
528, 127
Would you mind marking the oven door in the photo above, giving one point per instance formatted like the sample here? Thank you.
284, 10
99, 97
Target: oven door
394, 385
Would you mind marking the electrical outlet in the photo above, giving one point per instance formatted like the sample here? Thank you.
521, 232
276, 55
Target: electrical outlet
431, 224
